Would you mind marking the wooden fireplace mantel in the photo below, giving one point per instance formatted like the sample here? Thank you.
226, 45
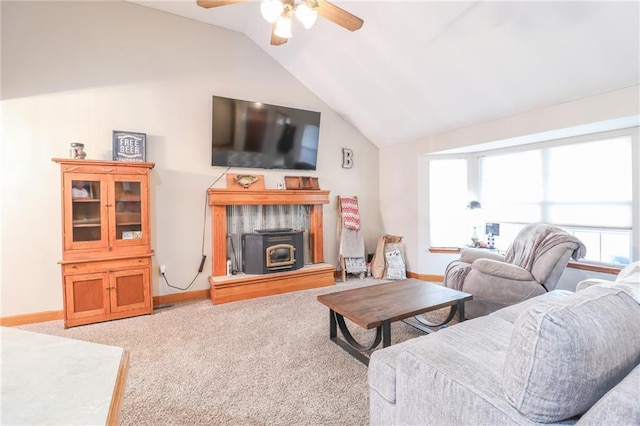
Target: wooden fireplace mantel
264, 197
256, 285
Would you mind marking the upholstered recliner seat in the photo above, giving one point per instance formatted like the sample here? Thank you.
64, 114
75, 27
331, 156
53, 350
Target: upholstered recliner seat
531, 266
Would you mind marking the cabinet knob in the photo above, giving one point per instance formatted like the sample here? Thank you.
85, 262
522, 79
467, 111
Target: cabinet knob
73, 266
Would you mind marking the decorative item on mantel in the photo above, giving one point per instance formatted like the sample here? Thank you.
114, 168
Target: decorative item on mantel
245, 181
301, 182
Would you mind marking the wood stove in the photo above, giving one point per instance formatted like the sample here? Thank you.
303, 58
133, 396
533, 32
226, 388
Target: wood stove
272, 250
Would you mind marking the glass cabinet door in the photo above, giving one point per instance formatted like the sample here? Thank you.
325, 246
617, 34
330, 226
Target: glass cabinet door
106, 211
130, 211
86, 218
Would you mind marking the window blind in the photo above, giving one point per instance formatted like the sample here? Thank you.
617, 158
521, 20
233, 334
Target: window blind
563, 185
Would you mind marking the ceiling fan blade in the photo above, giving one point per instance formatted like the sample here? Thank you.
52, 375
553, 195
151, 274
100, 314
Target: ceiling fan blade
276, 40
215, 3
339, 16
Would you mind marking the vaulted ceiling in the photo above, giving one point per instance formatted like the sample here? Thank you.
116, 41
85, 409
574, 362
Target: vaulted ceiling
418, 68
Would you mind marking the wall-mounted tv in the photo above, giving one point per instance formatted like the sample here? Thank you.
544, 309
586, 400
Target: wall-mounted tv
257, 135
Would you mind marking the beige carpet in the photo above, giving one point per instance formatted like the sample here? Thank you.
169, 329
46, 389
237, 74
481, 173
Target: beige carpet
265, 361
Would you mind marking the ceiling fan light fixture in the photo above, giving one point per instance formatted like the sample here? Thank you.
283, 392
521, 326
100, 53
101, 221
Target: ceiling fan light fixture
306, 15
271, 10
283, 26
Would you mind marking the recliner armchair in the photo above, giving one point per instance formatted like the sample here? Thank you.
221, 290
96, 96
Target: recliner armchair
531, 266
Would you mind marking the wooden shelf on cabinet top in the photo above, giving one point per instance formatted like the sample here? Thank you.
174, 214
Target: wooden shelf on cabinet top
103, 163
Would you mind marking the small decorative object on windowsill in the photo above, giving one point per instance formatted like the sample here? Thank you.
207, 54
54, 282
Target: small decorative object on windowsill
474, 208
474, 238
129, 146
492, 230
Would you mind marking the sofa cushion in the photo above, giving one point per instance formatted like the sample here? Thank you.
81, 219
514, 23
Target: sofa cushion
619, 404
476, 345
564, 355
452, 377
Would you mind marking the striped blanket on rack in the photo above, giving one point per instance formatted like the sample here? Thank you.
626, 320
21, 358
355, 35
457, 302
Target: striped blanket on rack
350, 212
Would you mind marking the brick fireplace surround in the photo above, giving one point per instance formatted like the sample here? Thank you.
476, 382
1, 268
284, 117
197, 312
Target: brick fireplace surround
244, 286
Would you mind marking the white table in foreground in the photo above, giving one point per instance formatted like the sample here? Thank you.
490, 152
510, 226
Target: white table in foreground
54, 380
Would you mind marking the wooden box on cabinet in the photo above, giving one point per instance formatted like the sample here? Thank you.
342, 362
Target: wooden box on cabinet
106, 265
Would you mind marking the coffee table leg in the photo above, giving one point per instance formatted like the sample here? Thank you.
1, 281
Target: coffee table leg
386, 333
461, 311
423, 324
349, 343
333, 332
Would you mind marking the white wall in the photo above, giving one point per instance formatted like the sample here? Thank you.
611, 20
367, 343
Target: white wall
403, 176
75, 71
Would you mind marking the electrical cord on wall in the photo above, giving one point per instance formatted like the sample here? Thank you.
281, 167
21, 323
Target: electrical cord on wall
204, 223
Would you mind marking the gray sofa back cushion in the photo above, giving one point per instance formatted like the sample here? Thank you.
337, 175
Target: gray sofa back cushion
564, 355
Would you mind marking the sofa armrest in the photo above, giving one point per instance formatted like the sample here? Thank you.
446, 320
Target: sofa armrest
500, 289
501, 270
471, 254
591, 282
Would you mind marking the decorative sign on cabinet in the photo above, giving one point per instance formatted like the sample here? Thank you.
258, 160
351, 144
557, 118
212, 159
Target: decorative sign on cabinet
129, 146
106, 265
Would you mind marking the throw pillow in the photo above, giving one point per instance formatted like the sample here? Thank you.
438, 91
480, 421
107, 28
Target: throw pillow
565, 355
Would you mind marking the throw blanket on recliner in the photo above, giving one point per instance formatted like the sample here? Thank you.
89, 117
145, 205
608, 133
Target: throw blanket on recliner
535, 240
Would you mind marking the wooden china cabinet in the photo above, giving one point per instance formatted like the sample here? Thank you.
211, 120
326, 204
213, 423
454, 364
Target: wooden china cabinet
106, 265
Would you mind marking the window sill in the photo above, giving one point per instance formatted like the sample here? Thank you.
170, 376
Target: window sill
450, 250
574, 265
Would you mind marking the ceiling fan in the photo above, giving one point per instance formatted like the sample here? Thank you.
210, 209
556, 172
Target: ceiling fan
280, 12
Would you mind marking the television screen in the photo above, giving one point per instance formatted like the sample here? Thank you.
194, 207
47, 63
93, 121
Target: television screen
257, 135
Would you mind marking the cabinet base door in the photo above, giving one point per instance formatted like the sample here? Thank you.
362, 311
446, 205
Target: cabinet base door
130, 290
86, 296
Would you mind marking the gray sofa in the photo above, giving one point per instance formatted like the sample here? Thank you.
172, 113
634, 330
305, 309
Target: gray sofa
562, 358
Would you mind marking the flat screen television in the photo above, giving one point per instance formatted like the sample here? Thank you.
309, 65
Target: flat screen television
257, 135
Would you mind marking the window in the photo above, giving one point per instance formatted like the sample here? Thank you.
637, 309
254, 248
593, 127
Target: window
561, 185
447, 198
585, 188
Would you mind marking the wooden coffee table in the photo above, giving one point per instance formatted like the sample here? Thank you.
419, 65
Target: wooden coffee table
377, 306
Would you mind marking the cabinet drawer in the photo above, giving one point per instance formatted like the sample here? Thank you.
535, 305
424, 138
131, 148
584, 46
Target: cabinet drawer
104, 265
